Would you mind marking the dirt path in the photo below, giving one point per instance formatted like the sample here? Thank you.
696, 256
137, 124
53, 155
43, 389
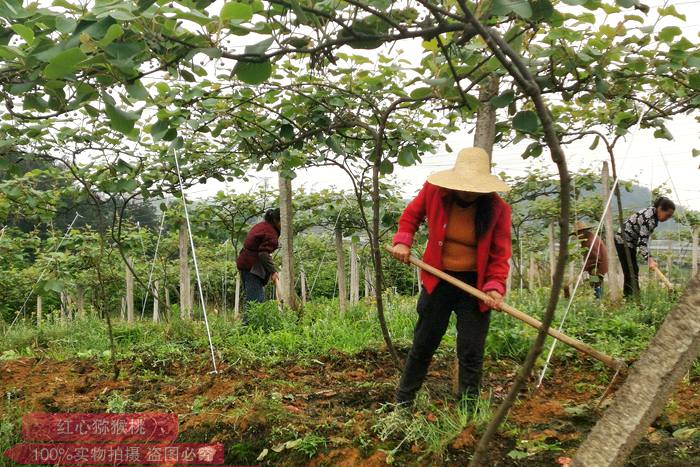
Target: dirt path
331, 403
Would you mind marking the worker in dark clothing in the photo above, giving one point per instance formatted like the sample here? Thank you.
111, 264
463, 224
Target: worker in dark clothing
595, 256
254, 262
635, 232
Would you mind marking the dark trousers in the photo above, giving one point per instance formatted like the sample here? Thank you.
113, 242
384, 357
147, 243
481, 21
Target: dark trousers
631, 287
253, 289
434, 311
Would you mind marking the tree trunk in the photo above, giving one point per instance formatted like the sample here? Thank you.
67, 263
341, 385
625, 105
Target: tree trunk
368, 281
485, 130
237, 302
80, 302
156, 311
302, 285
64, 307
377, 256
167, 301
651, 381
354, 274
122, 310
287, 243
614, 273
39, 307
129, 292
185, 280
509, 279
531, 273
552, 253
342, 279
696, 251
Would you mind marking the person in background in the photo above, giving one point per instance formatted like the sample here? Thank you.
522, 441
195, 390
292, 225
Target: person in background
635, 233
254, 262
469, 237
595, 256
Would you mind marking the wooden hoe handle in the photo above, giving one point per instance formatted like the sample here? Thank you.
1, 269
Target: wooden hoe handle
527, 319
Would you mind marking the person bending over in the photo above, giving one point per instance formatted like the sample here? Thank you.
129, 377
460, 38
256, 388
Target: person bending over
254, 261
635, 233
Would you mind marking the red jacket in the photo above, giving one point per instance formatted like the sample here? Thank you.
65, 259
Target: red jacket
260, 242
493, 248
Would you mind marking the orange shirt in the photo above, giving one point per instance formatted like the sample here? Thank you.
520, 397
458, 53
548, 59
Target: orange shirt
459, 248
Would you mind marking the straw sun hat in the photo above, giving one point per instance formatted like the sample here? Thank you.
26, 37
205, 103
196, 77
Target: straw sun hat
580, 226
471, 172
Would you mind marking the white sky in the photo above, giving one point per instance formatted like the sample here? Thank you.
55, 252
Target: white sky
649, 161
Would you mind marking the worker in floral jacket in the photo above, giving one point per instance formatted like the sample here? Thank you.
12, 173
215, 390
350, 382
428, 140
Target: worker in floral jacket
469, 237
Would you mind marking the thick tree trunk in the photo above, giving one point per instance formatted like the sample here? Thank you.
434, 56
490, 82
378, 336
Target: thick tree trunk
696, 251
342, 279
129, 291
185, 280
485, 130
651, 381
287, 243
156, 310
354, 274
39, 306
614, 273
80, 302
532, 272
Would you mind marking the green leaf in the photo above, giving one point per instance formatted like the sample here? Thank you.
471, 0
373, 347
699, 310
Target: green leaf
526, 121
159, 129
53, 285
421, 93
626, 3
595, 143
137, 90
64, 63
694, 80
121, 120
253, 72
695, 152
386, 167
24, 32
686, 433
260, 48
542, 10
521, 8
407, 156
503, 100
574, 2
114, 32
668, 33
236, 11
126, 186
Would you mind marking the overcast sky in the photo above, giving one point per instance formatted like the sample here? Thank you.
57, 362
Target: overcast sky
650, 161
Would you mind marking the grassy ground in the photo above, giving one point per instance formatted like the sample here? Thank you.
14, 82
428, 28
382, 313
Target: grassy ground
316, 391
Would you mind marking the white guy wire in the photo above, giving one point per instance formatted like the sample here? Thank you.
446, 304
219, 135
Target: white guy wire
153, 265
588, 254
41, 276
194, 260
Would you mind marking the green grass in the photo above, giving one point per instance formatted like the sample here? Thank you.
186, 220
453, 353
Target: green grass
274, 336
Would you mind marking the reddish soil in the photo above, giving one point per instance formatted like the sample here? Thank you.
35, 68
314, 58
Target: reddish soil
334, 396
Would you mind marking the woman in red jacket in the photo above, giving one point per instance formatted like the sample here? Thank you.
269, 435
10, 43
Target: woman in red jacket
468, 237
254, 262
